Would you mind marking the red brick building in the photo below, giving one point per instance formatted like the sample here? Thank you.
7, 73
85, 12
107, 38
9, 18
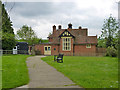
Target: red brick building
69, 42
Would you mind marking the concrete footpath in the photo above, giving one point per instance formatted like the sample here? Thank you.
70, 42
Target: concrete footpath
43, 75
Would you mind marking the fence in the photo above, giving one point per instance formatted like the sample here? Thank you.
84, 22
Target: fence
13, 52
100, 51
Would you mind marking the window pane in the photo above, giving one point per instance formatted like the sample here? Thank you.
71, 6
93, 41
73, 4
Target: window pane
45, 48
66, 44
48, 48
66, 48
68, 39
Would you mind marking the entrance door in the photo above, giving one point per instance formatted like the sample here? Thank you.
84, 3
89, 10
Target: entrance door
47, 50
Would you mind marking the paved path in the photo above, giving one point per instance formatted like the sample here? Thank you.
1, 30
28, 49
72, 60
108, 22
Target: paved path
43, 75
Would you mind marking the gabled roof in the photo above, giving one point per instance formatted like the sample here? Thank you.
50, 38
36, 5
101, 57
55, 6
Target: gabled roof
80, 36
66, 33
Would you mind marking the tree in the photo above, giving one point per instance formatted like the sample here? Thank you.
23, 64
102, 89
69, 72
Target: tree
119, 44
8, 37
27, 34
0, 25
6, 22
101, 42
109, 29
8, 41
110, 36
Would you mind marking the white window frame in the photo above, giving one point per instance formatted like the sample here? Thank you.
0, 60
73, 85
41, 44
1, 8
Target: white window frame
66, 41
47, 48
88, 46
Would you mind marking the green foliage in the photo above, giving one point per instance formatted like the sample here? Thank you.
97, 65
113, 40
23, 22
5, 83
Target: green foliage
25, 33
111, 51
8, 41
0, 25
14, 71
119, 44
109, 36
34, 40
6, 23
109, 30
28, 35
101, 42
44, 41
8, 38
88, 72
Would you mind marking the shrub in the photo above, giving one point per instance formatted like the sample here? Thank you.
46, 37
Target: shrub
111, 51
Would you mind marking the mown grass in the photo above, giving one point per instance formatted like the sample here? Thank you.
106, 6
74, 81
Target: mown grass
0, 72
88, 72
14, 71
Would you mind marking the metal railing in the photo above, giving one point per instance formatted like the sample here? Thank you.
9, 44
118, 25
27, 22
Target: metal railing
13, 52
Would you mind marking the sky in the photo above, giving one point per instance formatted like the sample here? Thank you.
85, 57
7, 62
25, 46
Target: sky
41, 15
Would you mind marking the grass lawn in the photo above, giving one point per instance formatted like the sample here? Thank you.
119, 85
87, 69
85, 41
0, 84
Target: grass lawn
88, 72
15, 72
0, 72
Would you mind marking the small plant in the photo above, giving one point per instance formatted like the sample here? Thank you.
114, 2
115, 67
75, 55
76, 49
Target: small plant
111, 51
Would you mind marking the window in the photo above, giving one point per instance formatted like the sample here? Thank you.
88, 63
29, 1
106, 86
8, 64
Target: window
66, 44
88, 46
45, 48
48, 48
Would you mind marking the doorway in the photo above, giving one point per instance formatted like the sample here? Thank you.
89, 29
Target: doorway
47, 50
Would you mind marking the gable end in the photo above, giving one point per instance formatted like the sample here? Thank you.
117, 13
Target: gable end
66, 33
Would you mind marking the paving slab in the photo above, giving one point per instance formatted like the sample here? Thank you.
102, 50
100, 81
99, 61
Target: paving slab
43, 75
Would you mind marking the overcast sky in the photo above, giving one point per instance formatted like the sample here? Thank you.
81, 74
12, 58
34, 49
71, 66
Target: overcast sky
41, 16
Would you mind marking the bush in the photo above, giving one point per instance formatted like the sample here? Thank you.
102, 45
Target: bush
111, 51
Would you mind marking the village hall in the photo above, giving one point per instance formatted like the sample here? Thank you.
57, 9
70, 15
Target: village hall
72, 42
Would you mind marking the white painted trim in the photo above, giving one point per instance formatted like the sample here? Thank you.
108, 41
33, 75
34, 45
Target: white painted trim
88, 46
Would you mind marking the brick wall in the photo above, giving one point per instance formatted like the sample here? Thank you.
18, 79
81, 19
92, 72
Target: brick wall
81, 50
40, 48
54, 49
77, 50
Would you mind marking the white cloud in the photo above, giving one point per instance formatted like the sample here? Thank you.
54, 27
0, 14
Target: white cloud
43, 28
42, 16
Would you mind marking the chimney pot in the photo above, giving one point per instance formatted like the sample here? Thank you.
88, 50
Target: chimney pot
80, 27
69, 26
59, 27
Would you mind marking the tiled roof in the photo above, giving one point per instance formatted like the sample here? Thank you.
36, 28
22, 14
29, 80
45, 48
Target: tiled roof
86, 40
79, 34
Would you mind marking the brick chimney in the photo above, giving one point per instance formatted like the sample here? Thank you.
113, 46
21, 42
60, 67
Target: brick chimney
69, 26
80, 27
54, 29
59, 27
